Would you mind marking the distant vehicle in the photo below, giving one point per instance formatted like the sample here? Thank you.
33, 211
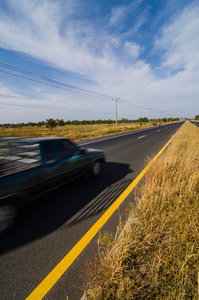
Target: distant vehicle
30, 167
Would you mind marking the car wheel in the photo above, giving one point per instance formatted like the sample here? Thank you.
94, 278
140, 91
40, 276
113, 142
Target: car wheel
96, 169
8, 216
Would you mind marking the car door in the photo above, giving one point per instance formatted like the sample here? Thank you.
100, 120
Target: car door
52, 165
74, 161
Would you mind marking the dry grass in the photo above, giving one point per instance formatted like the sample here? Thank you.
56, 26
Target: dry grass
158, 258
73, 132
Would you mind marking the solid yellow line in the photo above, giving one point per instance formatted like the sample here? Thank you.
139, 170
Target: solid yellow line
43, 288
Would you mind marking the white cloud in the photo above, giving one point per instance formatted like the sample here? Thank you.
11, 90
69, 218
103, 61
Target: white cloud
41, 29
117, 15
36, 32
6, 91
120, 13
133, 49
180, 41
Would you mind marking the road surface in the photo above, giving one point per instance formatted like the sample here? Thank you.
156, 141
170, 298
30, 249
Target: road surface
51, 226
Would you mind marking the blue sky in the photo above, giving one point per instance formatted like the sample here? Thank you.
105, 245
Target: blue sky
86, 53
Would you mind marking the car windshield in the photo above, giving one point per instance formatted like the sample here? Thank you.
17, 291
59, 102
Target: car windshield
68, 149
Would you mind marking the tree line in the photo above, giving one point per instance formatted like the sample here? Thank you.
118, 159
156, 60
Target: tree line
51, 123
61, 122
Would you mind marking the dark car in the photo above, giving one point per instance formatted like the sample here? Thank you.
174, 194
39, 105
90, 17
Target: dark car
30, 167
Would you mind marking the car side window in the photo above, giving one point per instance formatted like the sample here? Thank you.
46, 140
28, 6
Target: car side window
68, 149
48, 152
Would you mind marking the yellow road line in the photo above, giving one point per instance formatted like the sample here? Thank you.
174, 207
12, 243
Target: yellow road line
43, 288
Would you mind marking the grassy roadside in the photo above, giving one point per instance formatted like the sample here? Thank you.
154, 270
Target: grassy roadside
158, 256
73, 132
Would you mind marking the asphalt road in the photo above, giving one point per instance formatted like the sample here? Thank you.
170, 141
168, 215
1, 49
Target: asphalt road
195, 123
50, 227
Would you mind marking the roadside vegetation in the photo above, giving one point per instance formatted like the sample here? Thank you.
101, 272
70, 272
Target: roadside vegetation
75, 130
155, 255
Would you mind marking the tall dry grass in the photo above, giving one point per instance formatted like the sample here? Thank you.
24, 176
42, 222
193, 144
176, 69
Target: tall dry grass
158, 257
73, 132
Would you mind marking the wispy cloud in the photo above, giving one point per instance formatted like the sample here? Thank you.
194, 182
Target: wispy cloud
179, 41
57, 34
120, 13
36, 31
6, 91
133, 49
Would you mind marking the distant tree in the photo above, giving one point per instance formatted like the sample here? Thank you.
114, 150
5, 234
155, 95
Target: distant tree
124, 120
68, 122
84, 122
19, 125
76, 122
51, 123
197, 117
145, 119
32, 124
164, 120
39, 124
60, 122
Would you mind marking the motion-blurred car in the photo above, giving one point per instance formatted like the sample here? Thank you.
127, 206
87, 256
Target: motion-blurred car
30, 167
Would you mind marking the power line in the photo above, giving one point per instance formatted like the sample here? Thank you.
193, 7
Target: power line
48, 107
56, 83
125, 102
63, 86
69, 87
66, 89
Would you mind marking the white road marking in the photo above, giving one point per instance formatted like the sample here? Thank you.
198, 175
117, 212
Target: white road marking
114, 137
140, 137
105, 139
158, 130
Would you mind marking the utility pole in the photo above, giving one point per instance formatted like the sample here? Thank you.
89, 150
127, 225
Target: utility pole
116, 99
149, 114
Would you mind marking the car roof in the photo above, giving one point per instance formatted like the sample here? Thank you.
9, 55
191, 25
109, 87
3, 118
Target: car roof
32, 140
